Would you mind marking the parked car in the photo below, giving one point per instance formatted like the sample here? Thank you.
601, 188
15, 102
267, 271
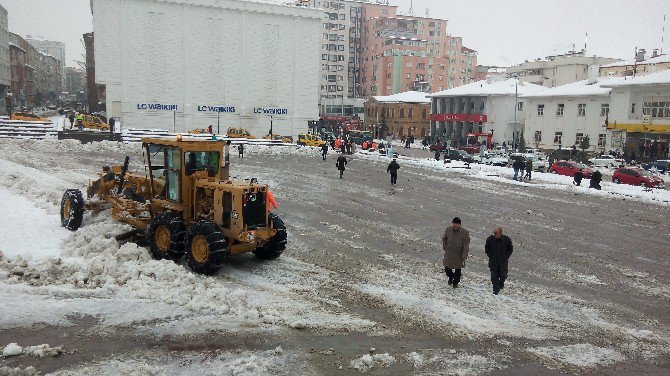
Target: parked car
569, 168
459, 155
309, 140
607, 161
637, 176
662, 166
490, 159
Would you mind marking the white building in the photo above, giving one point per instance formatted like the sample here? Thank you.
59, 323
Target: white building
481, 106
640, 114
557, 70
186, 64
563, 116
5, 75
53, 48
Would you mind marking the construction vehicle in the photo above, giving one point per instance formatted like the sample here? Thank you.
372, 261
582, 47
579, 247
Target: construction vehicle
310, 140
284, 139
94, 122
27, 116
184, 205
239, 133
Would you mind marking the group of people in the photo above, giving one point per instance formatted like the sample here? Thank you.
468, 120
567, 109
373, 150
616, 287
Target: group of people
344, 145
79, 118
408, 142
520, 165
456, 246
596, 178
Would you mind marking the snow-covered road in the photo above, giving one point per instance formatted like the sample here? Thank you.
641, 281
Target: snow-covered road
587, 289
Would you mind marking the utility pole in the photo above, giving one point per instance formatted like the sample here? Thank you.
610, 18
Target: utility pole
218, 122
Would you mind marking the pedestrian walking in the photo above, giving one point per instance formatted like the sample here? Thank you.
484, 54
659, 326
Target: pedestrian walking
341, 162
240, 151
71, 117
529, 169
393, 170
437, 154
456, 245
499, 249
596, 178
324, 151
516, 165
578, 178
80, 121
407, 143
112, 122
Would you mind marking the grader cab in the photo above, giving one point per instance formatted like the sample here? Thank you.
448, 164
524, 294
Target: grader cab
185, 204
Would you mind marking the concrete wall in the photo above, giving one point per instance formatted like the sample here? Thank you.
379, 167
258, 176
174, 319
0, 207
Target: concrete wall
192, 55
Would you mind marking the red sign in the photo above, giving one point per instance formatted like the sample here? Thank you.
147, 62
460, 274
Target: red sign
475, 118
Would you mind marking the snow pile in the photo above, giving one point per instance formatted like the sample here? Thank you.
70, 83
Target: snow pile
40, 351
238, 363
29, 371
580, 355
368, 361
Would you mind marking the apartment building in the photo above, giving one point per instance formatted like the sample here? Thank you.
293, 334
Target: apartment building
641, 65
558, 70
53, 48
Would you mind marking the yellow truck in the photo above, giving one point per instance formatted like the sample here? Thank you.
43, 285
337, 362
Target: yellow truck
310, 140
239, 133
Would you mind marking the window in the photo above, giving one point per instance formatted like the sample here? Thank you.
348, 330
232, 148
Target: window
604, 109
519, 106
581, 109
423, 112
559, 109
538, 137
657, 110
410, 113
402, 113
540, 110
409, 64
579, 138
632, 108
558, 138
602, 138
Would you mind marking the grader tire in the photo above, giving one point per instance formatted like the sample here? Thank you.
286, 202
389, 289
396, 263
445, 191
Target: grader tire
207, 247
277, 244
166, 234
72, 209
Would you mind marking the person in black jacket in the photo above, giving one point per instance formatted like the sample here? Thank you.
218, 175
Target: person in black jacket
498, 248
341, 162
596, 177
324, 151
393, 170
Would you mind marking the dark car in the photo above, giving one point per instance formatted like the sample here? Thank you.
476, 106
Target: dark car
569, 168
458, 155
636, 176
662, 166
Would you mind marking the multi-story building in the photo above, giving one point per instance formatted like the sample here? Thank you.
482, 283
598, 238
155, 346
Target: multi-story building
182, 65
5, 72
639, 117
563, 116
638, 66
53, 48
22, 60
558, 70
398, 115
75, 81
485, 71
480, 107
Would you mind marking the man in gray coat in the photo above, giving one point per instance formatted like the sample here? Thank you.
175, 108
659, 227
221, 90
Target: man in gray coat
456, 245
498, 248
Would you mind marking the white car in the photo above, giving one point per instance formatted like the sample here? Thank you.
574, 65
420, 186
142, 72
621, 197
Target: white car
490, 159
607, 161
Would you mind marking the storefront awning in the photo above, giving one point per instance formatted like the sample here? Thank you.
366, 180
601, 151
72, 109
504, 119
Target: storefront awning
648, 128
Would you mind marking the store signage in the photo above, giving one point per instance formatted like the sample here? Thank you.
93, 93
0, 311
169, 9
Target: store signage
271, 111
224, 109
157, 107
475, 118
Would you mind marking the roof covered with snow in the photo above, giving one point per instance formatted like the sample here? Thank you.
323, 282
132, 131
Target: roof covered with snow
576, 89
486, 88
665, 58
16, 46
657, 78
406, 97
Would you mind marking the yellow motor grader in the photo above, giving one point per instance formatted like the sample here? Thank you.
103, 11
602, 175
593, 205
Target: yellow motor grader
185, 204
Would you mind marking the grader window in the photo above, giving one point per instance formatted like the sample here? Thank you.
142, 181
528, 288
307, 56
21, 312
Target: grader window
165, 172
201, 161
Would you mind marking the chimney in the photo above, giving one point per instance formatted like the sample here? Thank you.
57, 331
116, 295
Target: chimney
640, 55
655, 53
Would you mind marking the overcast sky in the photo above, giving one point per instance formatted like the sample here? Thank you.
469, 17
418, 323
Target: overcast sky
504, 32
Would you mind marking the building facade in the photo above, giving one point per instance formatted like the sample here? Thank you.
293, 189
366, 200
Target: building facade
639, 118
398, 115
178, 64
53, 48
75, 81
36, 77
557, 70
563, 116
480, 107
638, 66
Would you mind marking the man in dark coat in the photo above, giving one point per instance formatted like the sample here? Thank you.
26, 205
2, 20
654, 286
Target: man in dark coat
498, 248
579, 175
324, 151
456, 245
240, 151
516, 166
341, 162
393, 170
596, 178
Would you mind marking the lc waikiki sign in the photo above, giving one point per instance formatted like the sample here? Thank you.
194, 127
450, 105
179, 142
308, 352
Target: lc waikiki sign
475, 118
157, 107
270, 111
220, 109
